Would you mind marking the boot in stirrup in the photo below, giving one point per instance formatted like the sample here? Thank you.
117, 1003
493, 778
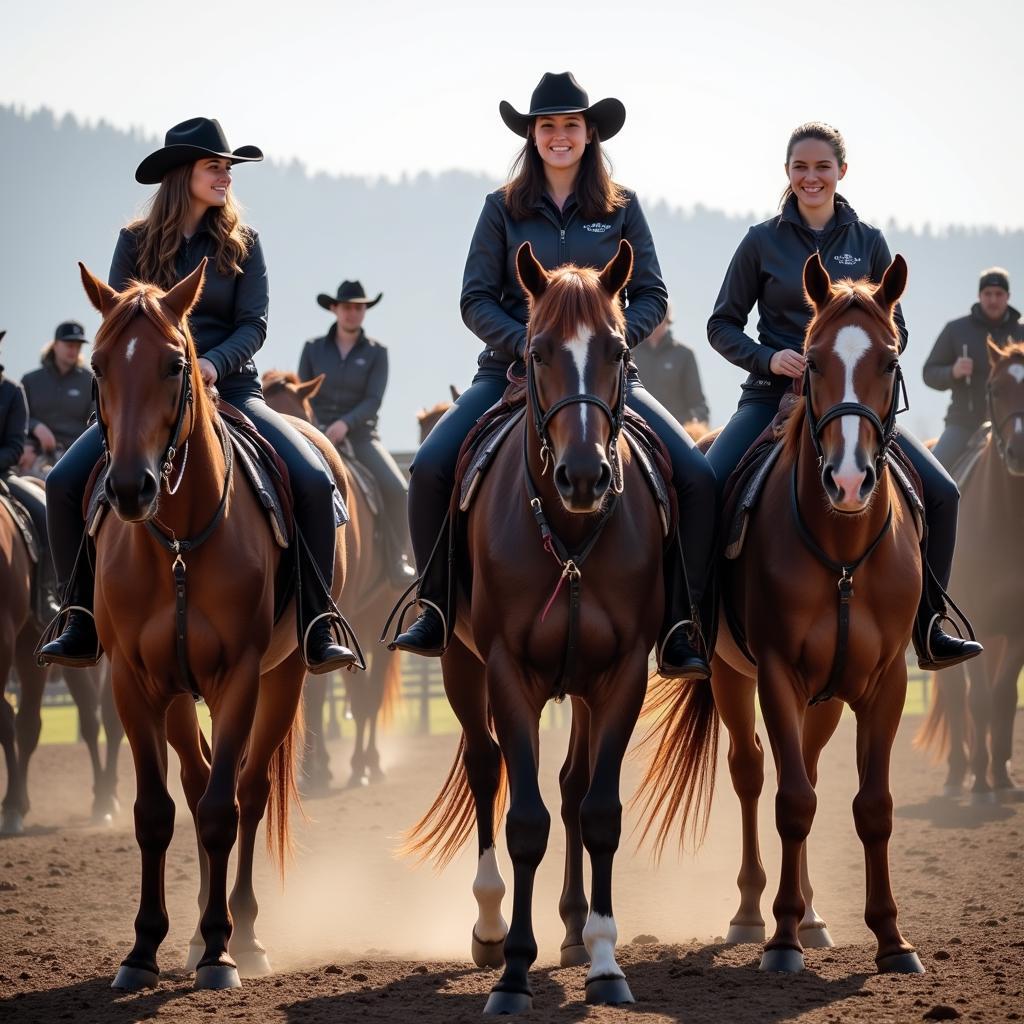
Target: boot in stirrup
428, 635
320, 623
937, 649
681, 646
78, 645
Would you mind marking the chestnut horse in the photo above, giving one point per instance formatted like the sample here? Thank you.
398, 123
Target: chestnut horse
370, 595
517, 641
830, 511
161, 425
985, 571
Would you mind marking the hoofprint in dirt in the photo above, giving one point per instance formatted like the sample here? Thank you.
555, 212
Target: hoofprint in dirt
357, 933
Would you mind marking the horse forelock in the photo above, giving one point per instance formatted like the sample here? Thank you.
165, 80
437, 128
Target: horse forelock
574, 298
847, 296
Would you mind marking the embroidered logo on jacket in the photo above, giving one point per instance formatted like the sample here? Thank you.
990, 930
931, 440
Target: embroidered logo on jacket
846, 259
597, 227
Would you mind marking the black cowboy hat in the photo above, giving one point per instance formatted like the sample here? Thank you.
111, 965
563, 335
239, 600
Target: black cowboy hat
190, 141
349, 291
562, 94
71, 330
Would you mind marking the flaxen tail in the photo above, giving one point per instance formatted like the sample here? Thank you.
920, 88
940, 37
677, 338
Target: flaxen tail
392, 686
949, 698
283, 790
680, 778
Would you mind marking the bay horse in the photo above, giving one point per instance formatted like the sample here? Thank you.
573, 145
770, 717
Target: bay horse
517, 642
370, 594
979, 730
830, 510
202, 618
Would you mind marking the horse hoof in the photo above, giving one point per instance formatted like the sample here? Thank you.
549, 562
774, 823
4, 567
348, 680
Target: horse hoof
131, 979
12, 823
196, 952
982, 797
952, 789
574, 956
740, 934
815, 936
901, 963
785, 961
253, 963
608, 991
501, 1004
488, 954
216, 976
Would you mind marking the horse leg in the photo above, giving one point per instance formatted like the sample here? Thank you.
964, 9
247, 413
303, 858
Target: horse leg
1004, 711
315, 773
10, 818
820, 724
517, 711
979, 703
574, 779
114, 732
280, 695
795, 804
233, 707
734, 698
82, 687
877, 722
29, 722
358, 698
952, 692
615, 708
378, 680
145, 726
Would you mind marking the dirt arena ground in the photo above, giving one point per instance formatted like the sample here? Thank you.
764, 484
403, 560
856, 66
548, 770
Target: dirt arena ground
356, 934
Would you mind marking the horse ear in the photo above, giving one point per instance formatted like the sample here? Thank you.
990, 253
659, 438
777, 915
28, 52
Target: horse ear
185, 294
456, 393
532, 276
995, 353
101, 295
619, 269
817, 283
309, 388
894, 283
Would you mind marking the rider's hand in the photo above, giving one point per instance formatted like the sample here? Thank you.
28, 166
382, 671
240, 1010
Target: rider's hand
963, 367
337, 432
787, 363
208, 372
44, 435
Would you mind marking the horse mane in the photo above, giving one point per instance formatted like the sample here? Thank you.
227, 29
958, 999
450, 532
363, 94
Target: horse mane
573, 298
142, 299
434, 410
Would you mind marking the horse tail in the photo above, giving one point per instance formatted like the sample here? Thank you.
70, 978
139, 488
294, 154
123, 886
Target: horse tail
680, 779
284, 789
392, 687
451, 819
949, 697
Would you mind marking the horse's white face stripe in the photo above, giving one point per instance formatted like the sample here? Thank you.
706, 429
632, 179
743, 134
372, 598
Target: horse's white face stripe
851, 344
1016, 371
579, 348
131, 349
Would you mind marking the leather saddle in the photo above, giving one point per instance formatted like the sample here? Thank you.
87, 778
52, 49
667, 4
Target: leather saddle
22, 521
362, 478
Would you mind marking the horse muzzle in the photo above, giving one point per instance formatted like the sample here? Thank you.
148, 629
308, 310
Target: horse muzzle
849, 488
132, 493
582, 482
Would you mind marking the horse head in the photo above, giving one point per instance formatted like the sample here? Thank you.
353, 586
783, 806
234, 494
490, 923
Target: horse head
852, 382
286, 394
576, 371
1005, 396
147, 385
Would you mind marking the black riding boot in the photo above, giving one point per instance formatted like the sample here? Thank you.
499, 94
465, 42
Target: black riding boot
429, 634
78, 645
323, 631
936, 649
683, 647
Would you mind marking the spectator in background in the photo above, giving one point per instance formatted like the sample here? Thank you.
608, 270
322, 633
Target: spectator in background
669, 371
959, 361
59, 393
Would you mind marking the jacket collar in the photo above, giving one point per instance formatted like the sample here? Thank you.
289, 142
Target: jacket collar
844, 213
331, 336
1011, 316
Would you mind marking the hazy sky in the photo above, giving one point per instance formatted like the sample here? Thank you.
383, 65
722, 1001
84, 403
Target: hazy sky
928, 94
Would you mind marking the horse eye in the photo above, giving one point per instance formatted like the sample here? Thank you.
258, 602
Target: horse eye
891, 368
535, 356
174, 370
812, 366
96, 373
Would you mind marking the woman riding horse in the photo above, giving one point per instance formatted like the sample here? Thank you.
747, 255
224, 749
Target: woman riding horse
193, 217
767, 270
562, 201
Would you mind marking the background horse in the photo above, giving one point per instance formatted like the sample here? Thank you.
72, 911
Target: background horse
199, 616
991, 540
517, 643
829, 504
369, 595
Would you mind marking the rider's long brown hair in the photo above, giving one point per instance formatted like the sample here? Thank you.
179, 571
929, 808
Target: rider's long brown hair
160, 230
596, 193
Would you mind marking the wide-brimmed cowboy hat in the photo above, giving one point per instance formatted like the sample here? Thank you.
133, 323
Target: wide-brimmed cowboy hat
190, 141
348, 291
562, 94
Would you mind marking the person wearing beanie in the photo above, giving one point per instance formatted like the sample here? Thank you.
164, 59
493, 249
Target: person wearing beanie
959, 361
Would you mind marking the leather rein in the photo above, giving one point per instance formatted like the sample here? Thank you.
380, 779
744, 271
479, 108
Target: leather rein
570, 562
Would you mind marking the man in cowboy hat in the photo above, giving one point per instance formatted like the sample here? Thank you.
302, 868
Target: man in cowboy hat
355, 370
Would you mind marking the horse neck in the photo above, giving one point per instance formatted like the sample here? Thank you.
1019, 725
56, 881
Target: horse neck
842, 537
995, 480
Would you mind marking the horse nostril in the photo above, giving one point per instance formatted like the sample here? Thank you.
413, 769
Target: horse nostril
604, 478
562, 481
828, 481
869, 481
148, 487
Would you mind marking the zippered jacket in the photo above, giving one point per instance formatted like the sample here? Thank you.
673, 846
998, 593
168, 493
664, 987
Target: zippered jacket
13, 420
61, 401
767, 271
494, 306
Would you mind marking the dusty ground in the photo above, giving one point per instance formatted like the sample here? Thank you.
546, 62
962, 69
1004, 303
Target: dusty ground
357, 934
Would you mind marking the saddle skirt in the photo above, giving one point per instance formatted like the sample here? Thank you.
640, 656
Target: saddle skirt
22, 521
362, 478
492, 430
971, 455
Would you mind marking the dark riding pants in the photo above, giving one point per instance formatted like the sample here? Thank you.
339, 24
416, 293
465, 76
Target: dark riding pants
952, 443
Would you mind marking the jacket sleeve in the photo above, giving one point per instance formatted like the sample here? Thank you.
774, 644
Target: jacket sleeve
693, 394
252, 297
646, 294
739, 293
484, 282
124, 265
12, 441
366, 409
880, 264
938, 367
